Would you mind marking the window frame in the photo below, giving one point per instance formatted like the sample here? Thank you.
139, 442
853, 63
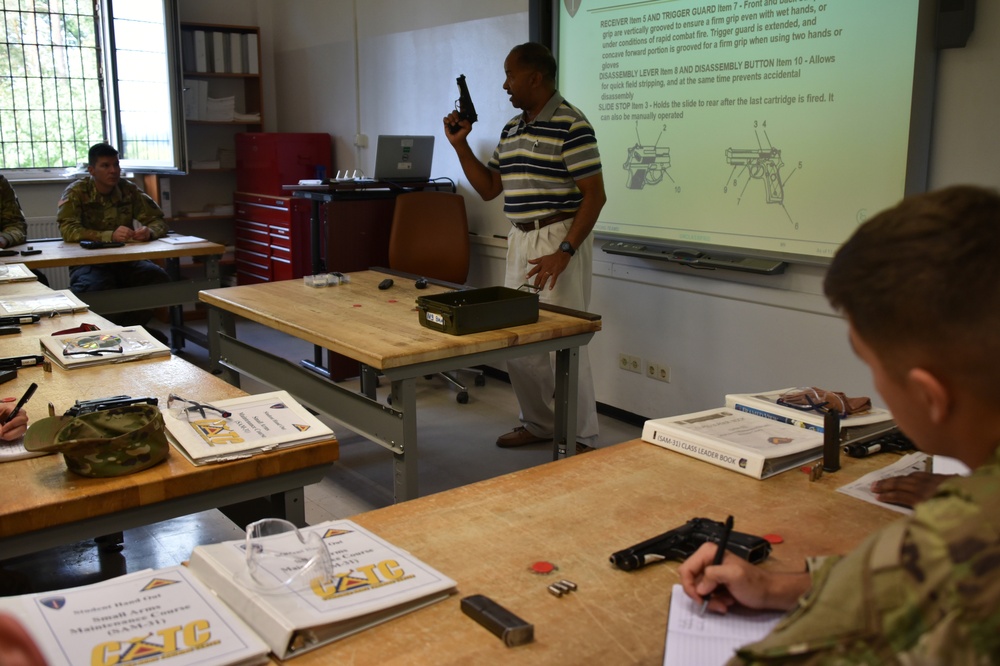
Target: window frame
110, 93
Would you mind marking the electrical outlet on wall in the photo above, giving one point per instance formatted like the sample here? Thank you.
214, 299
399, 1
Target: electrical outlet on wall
630, 362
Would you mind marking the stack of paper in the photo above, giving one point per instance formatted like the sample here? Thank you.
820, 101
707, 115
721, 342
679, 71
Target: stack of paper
220, 109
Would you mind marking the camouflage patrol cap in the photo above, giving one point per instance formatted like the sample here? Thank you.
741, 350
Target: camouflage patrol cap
112, 442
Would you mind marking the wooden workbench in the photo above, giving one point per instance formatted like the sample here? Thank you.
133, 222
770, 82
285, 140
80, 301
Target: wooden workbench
380, 329
42, 504
574, 513
55, 253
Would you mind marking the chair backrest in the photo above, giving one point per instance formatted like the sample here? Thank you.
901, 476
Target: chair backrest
430, 236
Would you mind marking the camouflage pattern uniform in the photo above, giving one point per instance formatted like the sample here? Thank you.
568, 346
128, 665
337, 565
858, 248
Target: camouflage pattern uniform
924, 590
86, 214
13, 230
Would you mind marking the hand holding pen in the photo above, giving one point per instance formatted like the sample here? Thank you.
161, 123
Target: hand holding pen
13, 423
719, 554
718, 582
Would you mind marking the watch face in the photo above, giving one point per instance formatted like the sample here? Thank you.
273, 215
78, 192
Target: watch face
566, 247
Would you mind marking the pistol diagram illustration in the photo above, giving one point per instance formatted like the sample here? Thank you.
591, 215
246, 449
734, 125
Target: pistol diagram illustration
761, 164
646, 165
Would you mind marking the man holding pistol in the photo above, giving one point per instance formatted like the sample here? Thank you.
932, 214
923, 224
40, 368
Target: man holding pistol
549, 170
920, 287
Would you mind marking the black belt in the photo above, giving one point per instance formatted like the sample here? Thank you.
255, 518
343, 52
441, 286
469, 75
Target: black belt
543, 221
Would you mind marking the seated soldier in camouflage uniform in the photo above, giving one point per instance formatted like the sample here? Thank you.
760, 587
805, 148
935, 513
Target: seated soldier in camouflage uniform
920, 287
103, 207
13, 230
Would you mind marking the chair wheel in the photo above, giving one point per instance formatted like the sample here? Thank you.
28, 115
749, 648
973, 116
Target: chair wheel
462, 397
428, 376
480, 380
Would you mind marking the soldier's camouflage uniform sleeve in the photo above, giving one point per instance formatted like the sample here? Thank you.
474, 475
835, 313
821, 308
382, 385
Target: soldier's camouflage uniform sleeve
145, 210
84, 214
13, 230
924, 590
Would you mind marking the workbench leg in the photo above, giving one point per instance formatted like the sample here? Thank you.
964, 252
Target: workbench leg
369, 381
566, 407
292, 506
221, 322
175, 312
404, 464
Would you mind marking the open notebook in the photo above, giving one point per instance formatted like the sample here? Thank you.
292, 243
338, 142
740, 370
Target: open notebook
710, 639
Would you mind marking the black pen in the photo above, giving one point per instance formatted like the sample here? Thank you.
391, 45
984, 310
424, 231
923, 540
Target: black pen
719, 554
20, 403
22, 361
17, 320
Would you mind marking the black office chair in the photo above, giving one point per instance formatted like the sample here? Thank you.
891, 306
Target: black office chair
430, 238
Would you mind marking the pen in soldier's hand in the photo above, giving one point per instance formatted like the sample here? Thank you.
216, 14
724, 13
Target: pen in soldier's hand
719, 554
20, 403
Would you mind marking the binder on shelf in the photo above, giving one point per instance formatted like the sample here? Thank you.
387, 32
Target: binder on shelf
188, 59
200, 51
236, 53
219, 48
752, 445
253, 61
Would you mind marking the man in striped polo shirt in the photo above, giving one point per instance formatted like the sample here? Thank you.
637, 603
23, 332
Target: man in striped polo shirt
549, 170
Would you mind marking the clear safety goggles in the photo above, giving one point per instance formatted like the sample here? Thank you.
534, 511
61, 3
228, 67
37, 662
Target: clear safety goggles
189, 410
279, 555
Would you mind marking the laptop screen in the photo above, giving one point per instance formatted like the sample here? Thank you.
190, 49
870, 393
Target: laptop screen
400, 157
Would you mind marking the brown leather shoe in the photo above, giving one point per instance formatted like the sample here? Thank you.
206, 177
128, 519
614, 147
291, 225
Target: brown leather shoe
519, 436
583, 448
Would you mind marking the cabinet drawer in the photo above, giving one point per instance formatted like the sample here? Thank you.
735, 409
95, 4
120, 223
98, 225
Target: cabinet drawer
261, 273
250, 258
252, 231
280, 237
281, 269
268, 214
254, 246
242, 277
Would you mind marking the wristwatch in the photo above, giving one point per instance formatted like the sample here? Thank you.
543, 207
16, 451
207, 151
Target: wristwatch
567, 248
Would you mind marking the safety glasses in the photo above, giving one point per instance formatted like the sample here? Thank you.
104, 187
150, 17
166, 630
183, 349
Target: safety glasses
279, 556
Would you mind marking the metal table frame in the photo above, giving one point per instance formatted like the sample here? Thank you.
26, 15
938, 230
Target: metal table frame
395, 426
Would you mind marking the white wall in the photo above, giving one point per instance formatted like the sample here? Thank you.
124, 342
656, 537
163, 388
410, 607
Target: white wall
719, 332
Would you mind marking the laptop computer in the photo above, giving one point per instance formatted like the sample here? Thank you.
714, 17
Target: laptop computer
403, 157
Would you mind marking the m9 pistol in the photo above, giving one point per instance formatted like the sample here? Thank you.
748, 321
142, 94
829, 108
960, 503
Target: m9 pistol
762, 164
466, 109
680, 542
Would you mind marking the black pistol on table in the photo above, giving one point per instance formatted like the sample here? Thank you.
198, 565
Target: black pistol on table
680, 542
466, 109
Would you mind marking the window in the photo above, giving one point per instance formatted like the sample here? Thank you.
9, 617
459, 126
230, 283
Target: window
76, 72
